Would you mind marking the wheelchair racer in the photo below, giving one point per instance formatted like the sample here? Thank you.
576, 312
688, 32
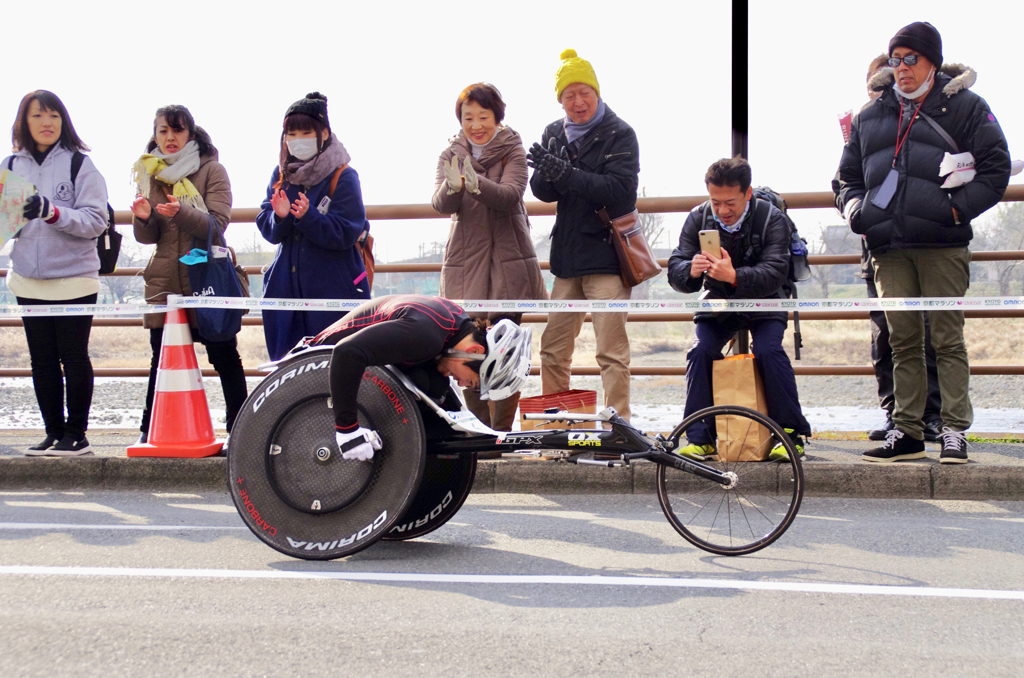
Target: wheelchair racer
409, 331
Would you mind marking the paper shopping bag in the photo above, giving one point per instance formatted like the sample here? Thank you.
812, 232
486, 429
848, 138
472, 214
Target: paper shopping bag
737, 381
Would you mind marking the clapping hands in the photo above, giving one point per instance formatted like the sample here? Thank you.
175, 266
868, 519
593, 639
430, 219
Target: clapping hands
551, 163
282, 207
457, 180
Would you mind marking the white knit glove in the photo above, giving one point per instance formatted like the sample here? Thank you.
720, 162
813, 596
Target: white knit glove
358, 444
452, 175
472, 181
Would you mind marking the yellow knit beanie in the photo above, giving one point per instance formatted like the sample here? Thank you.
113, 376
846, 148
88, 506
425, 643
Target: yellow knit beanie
574, 69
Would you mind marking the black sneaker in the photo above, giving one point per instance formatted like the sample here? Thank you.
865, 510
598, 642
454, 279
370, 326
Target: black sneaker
898, 447
879, 433
954, 447
39, 449
932, 430
69, 447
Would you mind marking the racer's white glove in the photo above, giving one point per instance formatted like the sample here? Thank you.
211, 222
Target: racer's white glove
452, 176
472, 181
358, 444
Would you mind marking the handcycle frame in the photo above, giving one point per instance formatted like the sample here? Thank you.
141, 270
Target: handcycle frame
629, 442
282, 462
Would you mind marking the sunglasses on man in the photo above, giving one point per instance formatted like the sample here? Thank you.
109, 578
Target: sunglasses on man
910, 60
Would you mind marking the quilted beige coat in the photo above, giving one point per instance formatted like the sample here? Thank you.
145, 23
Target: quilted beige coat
489, 254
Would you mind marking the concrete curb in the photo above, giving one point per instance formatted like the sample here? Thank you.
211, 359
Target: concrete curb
112, 473
824, 479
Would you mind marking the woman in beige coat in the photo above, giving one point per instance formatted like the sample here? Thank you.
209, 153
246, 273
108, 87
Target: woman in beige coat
182, 188
481, 178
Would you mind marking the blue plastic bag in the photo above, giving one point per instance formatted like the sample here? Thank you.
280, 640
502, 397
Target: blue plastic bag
215, 277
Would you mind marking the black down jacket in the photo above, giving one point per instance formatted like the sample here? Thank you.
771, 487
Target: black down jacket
920, 214
760, 277
604, 174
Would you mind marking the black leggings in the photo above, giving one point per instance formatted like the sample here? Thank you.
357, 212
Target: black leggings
53, 342
223, 355
404, 341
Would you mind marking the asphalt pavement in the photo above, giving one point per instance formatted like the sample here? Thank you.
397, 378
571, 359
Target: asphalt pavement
112, 583
832, 468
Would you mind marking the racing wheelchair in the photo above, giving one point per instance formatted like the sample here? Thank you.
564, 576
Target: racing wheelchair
297, 494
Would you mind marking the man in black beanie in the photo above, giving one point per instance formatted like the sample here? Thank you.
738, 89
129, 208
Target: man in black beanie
917, 224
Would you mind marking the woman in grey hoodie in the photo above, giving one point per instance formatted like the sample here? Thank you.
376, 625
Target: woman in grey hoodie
54, 262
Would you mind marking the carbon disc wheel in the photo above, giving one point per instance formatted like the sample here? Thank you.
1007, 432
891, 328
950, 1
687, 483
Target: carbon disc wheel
760, 503
287, 478
447, 481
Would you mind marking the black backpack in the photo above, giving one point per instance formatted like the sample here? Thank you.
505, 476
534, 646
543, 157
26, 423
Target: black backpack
108, 245
799, 268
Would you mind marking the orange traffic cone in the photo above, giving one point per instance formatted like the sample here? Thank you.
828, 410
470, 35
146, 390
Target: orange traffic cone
180, 424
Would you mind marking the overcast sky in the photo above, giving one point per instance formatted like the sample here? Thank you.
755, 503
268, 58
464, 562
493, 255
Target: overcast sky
392, 71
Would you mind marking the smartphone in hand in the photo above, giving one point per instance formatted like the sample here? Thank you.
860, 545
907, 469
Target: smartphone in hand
710, 244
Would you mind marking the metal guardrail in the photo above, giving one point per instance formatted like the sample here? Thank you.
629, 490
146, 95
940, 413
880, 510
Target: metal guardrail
811, 200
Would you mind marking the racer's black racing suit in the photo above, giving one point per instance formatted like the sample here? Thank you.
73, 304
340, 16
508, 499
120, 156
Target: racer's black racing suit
409, 331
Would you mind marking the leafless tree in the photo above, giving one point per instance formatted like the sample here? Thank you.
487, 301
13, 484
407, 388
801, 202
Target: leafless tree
125, 287
1004, 231
652, 224
832, 240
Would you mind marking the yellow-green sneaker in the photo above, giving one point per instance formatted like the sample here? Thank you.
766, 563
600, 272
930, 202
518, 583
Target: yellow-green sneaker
697, 452
779, 453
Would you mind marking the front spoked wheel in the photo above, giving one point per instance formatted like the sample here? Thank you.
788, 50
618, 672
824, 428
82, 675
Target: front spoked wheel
760, 502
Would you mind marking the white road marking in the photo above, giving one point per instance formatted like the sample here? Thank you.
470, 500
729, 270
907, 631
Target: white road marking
212, 508
78, 526
565, 580
91, 507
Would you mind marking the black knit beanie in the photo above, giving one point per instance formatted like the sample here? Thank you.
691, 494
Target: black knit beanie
921, 37
314, 105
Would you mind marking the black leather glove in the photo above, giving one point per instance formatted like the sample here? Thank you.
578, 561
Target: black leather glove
535, 156
39, 207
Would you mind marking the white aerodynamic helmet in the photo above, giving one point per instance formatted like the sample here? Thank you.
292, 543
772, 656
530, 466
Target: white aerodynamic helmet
507, 364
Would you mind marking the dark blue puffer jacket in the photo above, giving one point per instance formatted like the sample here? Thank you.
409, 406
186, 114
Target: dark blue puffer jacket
920, 214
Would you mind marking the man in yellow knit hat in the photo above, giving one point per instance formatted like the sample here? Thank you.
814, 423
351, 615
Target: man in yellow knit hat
586, 161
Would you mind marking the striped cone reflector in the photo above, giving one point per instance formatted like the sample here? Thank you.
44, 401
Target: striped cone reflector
180, 424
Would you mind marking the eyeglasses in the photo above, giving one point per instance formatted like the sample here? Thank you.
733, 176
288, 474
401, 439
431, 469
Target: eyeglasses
910, 60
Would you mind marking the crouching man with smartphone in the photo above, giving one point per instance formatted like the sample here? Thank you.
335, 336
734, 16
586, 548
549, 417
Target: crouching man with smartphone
735, 246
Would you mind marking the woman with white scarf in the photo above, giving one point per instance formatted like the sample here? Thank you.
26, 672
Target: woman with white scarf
181, 185
314, 213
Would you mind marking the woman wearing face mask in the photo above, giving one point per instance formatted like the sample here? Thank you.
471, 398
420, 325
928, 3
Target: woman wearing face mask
181, 185
316, 230
54, 261
480, 180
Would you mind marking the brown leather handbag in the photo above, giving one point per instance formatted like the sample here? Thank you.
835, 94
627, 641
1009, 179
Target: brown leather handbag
636, 260
365, 242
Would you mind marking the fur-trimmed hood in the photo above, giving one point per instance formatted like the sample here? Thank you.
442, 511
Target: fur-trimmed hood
963, 77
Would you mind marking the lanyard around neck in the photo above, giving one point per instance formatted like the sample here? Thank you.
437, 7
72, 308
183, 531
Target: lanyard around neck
899, 142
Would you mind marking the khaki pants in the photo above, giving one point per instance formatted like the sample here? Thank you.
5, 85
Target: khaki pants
941, 272
559, 339
497, 414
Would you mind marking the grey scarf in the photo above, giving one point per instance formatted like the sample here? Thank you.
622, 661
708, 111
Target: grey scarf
578, 130
313, 171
